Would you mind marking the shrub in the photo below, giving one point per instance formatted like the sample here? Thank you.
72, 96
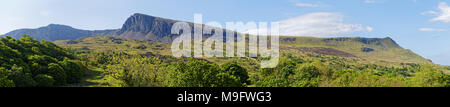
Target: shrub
233, 69
306, 75
44, 80
4, 81
58, 73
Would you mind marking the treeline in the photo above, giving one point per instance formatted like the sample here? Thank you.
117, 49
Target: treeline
320, 74
26, 62
166, 71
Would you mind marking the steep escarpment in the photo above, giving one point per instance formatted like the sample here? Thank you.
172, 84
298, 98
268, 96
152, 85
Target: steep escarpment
140, 26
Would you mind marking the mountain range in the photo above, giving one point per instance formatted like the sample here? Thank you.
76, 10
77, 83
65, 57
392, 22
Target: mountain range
141, 26
137, 26
57, 32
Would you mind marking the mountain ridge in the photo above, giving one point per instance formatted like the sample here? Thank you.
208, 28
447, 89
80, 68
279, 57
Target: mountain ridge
54, 32
141, 26
137, 26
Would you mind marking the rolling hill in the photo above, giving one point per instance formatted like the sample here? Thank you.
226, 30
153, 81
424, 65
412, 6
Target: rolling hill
368, 50
58, 32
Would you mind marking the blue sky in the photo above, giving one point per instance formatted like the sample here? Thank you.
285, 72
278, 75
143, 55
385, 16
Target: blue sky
420, 25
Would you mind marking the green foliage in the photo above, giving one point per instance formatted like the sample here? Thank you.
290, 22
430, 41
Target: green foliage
429, 77
117, 63
26, 58
194, 74
142, 72
233, 69
56, 71
271, 81
197, 73
44, 80
4, 81
306, 76
344, 77
21, 77
73, 71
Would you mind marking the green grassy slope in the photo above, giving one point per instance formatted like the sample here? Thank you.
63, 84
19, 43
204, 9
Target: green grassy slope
369, 49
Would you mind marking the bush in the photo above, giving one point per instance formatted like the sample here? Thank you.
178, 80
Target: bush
306, 75
21, 78
73, 71
58, 73
197, 73
4, 81
344, 77
429, 77
233, 69
272, 81
44, 80
26, 58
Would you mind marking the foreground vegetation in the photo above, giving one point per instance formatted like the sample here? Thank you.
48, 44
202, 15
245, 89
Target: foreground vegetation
114, 62
26, 62
141, 63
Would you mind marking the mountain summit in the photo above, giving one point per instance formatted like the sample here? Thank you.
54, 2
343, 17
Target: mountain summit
140, 26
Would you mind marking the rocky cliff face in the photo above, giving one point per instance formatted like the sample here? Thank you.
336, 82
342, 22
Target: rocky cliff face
140, 26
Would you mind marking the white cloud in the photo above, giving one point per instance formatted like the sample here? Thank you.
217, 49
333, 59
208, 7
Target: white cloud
369, 1
430, 13
319, 24
431, 30
307, 5
369, 29
444, 13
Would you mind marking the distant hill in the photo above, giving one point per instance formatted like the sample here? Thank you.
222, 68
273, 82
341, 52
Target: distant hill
58, 32
369, 49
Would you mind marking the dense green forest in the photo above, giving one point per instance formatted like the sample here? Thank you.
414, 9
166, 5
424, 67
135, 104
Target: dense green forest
115, 62
26, 62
